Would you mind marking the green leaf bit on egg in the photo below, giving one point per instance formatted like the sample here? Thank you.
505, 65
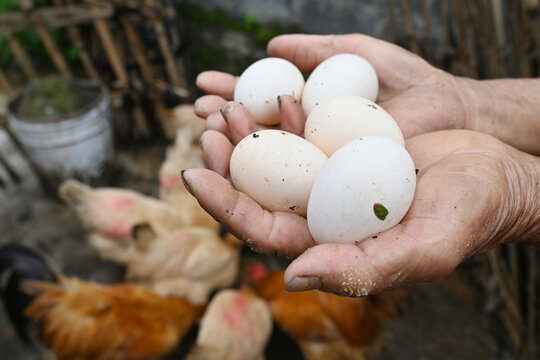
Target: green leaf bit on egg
380, 211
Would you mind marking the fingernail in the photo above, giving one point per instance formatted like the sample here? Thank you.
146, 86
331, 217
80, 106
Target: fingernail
304, 283
225, 109
186, 184
279, 102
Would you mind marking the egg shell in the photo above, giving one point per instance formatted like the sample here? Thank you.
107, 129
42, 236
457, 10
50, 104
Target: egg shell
277, 169
362, 173
342, 74
262, 82
341, 119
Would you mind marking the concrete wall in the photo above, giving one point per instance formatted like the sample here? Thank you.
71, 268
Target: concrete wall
220, 48
371, 17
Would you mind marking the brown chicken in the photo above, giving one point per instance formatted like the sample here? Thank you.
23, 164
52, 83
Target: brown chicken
180, 156
327, 326
88, 321
236, 326
191, 262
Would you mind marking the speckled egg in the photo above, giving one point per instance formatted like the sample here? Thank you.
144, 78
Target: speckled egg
277, 169
262, 82
365, 187
341, 119
342, 74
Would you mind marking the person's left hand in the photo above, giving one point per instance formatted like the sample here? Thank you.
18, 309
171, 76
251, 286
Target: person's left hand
473, 192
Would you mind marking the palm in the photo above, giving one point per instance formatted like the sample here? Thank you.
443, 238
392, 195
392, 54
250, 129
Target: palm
458, 189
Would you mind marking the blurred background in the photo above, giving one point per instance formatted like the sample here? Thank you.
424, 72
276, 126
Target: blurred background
147, 54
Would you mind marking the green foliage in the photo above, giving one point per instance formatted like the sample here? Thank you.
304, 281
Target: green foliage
30, 40
250, 24
48, 96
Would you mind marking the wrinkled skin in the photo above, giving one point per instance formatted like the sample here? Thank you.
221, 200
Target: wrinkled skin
473, 191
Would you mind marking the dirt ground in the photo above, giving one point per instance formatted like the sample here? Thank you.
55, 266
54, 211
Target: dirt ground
445, 321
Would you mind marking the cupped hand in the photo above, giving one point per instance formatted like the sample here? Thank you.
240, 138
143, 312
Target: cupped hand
419, 97
473, 192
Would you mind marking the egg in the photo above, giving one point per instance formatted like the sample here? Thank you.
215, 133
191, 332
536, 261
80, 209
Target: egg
341, 119
277, 169
342, 74
262, 82
365, 187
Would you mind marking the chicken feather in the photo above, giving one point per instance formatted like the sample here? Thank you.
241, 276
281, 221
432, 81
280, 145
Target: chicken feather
84, 320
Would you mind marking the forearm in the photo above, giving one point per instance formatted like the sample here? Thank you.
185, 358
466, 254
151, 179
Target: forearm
508, 109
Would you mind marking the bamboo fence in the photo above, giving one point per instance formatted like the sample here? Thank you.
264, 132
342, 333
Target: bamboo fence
486, 39
110, 40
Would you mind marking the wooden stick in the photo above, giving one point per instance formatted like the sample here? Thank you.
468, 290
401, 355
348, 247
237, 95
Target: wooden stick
54, 17
9, 169
111, 51
517, 45
415, 47
141, 124
463, 46
532, 300
170, 63
393, 19
510, 301
53, 51
137, 49
4, 83
427, 27
48, 42
74, 35
445, 24
21, 56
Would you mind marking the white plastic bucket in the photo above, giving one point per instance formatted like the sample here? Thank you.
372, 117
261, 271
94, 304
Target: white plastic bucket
78, 145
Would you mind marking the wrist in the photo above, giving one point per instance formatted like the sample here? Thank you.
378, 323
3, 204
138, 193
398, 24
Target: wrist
523, 217
504, 108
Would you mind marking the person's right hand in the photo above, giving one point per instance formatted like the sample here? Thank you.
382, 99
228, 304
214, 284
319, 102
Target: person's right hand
418, 96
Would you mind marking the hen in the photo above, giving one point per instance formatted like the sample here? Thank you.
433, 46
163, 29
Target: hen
180, 156
115, 213
327, 326
180, 116
83, 320
191, 262
236, 325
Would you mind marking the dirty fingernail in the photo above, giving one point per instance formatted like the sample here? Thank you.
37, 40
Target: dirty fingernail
227, 108
186, 184
304, 283
279, 102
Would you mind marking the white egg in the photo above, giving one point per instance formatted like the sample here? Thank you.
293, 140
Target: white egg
262, 82
366, 187
341, 119
277, 169
342, 74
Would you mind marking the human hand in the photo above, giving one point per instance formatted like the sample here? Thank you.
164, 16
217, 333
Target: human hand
418, 96
473, 192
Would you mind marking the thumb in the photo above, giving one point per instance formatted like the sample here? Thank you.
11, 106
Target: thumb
392, 258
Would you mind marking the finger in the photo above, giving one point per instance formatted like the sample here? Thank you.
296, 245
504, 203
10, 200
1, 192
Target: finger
217, 150
293, 118
217, 83
392, 258
239, 120
308, 51
205, 105
275, 233
215, 121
